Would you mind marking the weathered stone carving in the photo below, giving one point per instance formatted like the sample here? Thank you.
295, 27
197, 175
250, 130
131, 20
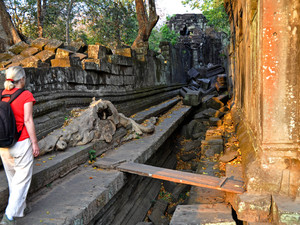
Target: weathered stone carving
97, 123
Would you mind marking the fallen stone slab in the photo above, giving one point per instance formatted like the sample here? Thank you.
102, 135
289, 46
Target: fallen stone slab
200, 135
210, 112
194, 84
63, 53
193, 73
77, 46
192, 145
208, 97
81, 56
188, 156
214, 70
211, 147
192, 98
53, 45
6, 56
29, 51
204, 83
17, 58
45, 56
213, 142
285, 210
39, 43
228, 156
218, 214
157, 216
214, 103
31, 61
193, 88
18, 48
193, 127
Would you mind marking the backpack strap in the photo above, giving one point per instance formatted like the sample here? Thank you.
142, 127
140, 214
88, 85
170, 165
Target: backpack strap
13, 96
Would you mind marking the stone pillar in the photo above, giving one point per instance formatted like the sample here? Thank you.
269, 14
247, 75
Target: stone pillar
280, 70
267, 85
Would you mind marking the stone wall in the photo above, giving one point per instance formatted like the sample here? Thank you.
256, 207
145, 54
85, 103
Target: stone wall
264, 64
131, 84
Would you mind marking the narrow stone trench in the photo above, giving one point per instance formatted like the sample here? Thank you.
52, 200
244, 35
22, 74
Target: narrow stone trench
210, 155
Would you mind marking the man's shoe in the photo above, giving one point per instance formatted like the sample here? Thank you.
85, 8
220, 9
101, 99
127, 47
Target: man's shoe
6, 221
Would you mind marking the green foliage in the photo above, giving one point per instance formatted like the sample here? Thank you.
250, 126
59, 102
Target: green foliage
214, 11
168, 35
112, 23
162, 34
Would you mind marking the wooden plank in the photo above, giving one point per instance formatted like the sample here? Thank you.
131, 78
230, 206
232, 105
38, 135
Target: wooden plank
228, 185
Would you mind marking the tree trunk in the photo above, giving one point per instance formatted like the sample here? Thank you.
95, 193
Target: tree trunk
68, 22
146, 23
8, 32
39, 18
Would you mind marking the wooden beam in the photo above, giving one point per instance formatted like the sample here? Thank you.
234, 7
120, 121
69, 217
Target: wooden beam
224, 184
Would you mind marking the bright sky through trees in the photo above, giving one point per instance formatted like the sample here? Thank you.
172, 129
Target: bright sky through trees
170, 7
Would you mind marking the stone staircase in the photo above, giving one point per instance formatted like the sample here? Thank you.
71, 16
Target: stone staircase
67, 190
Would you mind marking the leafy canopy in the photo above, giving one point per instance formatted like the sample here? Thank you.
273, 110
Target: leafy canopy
109, 22
214, 12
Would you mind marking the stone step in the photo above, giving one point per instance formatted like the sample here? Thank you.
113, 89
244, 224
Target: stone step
50, 167
212, 214
155, 110
77, 199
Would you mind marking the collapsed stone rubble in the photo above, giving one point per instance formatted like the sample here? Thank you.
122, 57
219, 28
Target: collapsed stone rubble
207, 85
44, 52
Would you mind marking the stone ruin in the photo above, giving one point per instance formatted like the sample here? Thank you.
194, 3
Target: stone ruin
202, 42
99, 122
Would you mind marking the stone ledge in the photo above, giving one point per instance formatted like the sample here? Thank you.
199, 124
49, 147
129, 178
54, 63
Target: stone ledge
212, 214
285, 210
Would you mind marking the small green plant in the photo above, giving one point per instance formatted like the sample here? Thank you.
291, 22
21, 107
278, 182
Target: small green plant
92, 155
